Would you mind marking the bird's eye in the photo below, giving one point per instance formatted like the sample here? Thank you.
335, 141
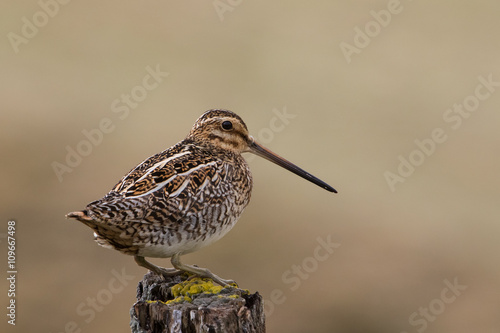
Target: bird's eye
227, 125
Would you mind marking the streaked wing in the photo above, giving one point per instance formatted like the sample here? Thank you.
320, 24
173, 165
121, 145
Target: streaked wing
170, 175
161, 188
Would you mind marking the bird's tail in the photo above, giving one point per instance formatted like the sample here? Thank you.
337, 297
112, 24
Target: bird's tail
80, 215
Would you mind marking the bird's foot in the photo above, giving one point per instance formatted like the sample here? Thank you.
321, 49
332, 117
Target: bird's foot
165, 272
205, 273
201, 272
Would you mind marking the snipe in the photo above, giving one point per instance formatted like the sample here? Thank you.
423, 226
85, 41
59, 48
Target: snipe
183, 198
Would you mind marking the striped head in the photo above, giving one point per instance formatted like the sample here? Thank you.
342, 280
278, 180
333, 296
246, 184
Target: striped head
223, 129
227, 131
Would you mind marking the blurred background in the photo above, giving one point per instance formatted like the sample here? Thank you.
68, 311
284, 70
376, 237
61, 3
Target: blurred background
350, 91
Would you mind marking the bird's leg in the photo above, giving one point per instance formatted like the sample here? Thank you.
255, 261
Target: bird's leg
203, 272
155, 269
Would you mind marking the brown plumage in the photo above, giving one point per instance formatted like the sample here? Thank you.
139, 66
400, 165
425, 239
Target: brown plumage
183, 198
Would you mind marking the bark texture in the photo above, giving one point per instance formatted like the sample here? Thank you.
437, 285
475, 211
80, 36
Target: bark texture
196, 305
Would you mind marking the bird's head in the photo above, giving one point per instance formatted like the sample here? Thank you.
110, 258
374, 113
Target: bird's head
226, 130
223, 129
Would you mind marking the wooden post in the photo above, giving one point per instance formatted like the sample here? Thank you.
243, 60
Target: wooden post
177, 304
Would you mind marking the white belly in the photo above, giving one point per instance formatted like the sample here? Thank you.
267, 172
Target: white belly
184, 246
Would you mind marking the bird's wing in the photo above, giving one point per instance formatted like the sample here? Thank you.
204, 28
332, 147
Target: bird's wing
164, 186
170, 175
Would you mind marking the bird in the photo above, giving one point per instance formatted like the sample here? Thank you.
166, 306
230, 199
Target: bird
183, 198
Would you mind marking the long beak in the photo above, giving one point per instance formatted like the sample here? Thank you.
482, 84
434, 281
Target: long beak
257, 149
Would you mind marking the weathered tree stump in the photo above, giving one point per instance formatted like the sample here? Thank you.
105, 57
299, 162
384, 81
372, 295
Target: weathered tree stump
196, 305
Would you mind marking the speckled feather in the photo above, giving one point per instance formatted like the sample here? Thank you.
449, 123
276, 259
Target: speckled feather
179, 200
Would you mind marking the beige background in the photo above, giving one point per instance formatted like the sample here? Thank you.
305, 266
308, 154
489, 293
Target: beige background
352, 121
